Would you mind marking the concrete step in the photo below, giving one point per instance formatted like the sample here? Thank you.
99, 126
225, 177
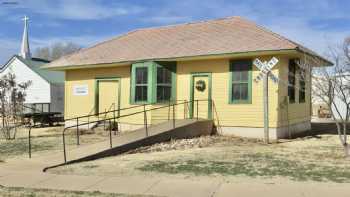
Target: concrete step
186, 128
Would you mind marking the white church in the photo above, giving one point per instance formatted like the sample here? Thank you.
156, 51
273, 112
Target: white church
46, 93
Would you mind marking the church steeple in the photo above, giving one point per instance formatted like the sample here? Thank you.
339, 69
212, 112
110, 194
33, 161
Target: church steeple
25, 51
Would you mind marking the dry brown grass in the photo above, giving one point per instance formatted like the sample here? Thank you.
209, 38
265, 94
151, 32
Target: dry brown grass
21, 192
45, 140
306, 159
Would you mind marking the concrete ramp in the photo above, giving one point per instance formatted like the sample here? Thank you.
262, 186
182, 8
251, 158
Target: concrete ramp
187, 128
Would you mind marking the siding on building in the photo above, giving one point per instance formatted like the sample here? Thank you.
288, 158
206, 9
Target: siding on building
231, 115
38, 91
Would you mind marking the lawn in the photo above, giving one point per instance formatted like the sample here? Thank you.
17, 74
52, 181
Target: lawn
44, 140
319, 159
26, 192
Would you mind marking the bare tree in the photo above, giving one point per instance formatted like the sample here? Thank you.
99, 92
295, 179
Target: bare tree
332, 86
12, 97
56, 50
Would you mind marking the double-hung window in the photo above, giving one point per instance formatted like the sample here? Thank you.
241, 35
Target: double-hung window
240, 83
164, 84
141, 84
302, 89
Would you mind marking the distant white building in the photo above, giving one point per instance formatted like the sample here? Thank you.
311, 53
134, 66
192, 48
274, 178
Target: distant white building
318, 103
46, 93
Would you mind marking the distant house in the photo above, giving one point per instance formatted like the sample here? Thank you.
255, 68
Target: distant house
208, 61
46, 93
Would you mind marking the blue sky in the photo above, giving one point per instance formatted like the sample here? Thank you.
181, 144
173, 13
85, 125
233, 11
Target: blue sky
313, 23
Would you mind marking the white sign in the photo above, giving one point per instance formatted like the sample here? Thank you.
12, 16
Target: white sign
265, 68
80, 90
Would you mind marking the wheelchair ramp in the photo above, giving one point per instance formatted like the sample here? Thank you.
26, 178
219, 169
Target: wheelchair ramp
186, 128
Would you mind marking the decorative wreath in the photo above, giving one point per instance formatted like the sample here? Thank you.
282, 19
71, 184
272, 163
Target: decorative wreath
200, 85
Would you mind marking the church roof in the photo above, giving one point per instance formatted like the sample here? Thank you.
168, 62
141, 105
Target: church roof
35, 64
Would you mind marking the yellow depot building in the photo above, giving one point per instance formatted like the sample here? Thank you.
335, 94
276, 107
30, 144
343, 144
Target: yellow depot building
207, 66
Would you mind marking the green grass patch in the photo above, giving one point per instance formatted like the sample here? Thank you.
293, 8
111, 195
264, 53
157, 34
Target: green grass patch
26, 192
253, 165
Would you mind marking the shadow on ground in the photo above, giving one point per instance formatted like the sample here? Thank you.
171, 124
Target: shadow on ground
319, 128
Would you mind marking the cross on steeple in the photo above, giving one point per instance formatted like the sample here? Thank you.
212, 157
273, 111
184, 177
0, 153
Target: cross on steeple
25, 51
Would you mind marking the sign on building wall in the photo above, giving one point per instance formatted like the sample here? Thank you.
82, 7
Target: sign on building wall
80, 90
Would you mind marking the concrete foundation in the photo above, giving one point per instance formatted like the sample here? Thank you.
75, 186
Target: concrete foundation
275, 133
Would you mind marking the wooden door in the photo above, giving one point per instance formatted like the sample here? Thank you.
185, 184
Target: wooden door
201, 96
108, 96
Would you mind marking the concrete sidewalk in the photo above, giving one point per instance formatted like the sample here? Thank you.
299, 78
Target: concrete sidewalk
167, 187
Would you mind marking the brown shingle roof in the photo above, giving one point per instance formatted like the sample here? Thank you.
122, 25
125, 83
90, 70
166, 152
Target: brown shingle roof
220, 36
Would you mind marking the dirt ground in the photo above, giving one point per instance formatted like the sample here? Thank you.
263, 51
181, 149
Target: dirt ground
318, 159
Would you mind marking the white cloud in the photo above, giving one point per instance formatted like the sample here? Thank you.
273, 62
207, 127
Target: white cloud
77, 9
301, 32
84, 41
166, 19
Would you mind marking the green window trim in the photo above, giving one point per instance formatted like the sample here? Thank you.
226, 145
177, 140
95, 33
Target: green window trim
152, 81
192, 107
249, 80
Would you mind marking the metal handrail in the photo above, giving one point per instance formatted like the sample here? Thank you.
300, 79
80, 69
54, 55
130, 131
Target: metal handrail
105, 115
217, 116
88, 118
30, 141
109, 109
97, 114
144, 111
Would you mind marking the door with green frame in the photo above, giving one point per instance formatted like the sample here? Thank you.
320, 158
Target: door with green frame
201, 105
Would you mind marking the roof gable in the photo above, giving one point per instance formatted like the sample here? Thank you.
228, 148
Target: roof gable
35, 65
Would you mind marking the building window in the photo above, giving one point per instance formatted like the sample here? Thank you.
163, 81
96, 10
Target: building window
302, 85
240, 83
153, 82
164, 78
141, 84
291, 80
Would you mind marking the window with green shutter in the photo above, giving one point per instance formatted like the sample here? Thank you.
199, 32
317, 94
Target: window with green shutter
240, 85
